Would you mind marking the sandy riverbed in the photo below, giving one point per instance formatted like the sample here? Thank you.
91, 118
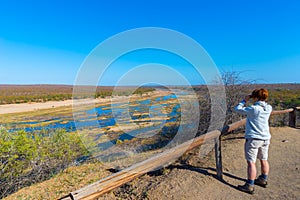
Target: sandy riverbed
27, 107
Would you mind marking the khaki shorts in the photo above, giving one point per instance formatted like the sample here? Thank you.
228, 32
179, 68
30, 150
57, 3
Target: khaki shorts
255, 148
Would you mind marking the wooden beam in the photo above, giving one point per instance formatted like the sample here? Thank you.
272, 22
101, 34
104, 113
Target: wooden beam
228, 128
278, 112
115, 180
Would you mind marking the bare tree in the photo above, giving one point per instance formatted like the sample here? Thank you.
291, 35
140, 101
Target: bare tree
236, 88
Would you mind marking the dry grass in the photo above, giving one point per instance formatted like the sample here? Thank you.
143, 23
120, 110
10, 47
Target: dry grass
71, 179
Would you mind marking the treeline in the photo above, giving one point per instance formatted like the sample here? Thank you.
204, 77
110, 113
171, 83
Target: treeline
102, 93
34, 93
33, 98
42, 93
27, 158
285, 98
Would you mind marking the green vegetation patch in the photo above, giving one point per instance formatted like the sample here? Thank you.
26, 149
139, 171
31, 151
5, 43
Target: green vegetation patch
27, 158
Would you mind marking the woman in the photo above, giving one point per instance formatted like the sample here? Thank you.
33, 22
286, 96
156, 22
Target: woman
257, 135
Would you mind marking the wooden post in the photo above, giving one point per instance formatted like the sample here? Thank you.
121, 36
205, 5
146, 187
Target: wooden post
218, 155
292, 118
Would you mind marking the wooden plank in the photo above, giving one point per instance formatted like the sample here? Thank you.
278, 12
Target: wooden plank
102, 186
278, 112
236, 125
233, 126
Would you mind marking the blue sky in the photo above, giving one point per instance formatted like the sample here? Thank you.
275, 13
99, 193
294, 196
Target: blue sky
46, 42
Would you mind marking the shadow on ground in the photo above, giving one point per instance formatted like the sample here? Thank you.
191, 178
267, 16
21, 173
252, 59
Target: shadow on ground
202, 170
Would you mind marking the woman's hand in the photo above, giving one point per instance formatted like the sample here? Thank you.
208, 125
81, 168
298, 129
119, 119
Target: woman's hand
247, 98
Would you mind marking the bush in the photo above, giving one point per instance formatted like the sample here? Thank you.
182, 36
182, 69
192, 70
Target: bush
27, 158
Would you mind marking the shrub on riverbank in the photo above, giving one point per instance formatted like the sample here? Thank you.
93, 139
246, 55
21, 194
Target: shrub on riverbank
27, 158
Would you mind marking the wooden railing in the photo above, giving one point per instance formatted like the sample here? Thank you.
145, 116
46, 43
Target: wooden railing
165, 158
